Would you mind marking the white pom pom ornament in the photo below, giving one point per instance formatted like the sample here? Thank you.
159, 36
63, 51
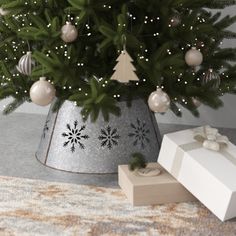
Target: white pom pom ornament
193, 57
159, 101
69, 33
42, 92
26, 64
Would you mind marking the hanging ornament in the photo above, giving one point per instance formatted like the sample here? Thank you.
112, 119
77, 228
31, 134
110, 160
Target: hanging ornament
175, 20
42, 92
200, 44
25, 64
69, 33
124, 69
159, 101
4, 12
193, 57
196, 102
210, 75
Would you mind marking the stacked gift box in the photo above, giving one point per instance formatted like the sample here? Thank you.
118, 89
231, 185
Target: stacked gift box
194, 164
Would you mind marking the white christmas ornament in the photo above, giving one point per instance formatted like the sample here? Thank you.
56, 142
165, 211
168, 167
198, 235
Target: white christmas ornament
159, 101
25, 64
175, 20
193, 57
4, 12
42, 92
69, 33
124, 70
196, 102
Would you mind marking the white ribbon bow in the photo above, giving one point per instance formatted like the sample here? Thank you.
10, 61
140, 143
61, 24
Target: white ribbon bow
210, 138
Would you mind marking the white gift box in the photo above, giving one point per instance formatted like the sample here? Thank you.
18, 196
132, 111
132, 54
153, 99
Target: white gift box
209, 175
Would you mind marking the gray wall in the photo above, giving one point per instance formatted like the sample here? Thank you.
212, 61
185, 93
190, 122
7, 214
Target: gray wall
224, 117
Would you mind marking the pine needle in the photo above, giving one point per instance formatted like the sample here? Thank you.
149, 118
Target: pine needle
137, 161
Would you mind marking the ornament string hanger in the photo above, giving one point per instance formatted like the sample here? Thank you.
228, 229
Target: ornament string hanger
69, 16
43, 77
43, 72
29, 49
124, 41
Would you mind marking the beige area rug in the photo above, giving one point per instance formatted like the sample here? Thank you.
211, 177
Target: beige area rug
31, 207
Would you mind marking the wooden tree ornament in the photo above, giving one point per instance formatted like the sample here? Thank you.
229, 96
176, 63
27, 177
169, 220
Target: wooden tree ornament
124, 69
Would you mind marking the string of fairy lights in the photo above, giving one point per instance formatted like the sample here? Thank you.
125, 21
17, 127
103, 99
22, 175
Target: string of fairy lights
63, 48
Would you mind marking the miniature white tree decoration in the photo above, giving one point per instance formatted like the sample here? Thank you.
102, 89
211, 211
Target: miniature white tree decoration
124, 69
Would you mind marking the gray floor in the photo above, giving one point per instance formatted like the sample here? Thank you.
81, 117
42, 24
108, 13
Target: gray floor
20, 135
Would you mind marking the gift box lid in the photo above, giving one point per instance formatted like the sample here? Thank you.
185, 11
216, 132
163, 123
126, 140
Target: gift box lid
209, 175
212, 161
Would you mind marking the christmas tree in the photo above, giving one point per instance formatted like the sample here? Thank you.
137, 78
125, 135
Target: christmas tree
175, 44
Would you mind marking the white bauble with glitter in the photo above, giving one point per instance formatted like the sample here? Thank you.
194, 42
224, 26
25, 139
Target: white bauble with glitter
3, 12
69, 33
159, 101
42, 92
196, 102
193, 57
26, 64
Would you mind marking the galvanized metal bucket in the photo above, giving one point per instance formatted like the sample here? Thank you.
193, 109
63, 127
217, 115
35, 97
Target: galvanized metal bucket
69, 144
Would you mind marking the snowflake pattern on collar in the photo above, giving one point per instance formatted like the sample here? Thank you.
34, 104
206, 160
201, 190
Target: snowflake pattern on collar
109, 137
139, 134
75, 136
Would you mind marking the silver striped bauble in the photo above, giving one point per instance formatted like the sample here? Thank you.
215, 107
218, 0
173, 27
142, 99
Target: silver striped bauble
26, 64
211, 75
